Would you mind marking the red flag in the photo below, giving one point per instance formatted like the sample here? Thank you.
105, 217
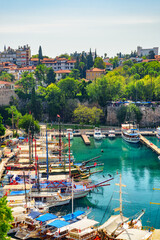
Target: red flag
95, 164
30, 112
117, 172
88, 207
58, 116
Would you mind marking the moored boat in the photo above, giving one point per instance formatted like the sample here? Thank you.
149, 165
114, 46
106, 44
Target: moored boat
130, 133
111, 134
97, 134
158, 133
69, 133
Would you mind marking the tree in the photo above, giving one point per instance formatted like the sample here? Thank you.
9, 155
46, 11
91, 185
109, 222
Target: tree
27, 82
69, 87
40, 74
16, 116
89, 60
75, 73
98, 63
121, 114
2, 128
86, 115
151, 54
7, 77
35, 105
28, 122
51, 76
133, 113
40, 56
95, 56
6, 218
64, 55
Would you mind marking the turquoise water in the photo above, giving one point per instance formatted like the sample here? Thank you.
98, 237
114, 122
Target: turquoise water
140, 169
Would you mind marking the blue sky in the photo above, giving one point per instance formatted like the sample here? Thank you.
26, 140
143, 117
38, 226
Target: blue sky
110, 26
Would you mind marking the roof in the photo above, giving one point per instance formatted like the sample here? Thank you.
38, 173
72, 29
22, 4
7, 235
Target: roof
18, 192
63, 71
34, 214
74, 215
46, 217
83, 224
58, 223
96, 70
108, 64
134, 234
9, 83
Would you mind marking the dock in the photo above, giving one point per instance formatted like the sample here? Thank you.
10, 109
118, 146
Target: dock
85, 139
150, 144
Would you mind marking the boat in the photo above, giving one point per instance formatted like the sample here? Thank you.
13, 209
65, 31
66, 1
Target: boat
19, 214
158, 133
111, 134
130, 133
97, 134
69, 133
119, 227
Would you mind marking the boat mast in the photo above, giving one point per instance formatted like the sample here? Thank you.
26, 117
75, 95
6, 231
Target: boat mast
120, 195
69, 155
47, 151
59, 124
72, 195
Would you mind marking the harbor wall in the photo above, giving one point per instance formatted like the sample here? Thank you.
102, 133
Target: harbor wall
151, 116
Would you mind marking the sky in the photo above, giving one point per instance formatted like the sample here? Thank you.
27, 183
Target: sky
66, 26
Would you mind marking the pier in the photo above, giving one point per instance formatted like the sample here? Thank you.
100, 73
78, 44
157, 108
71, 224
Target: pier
150, 144
85, 139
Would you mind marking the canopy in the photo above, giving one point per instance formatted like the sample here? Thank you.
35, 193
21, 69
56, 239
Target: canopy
112, 223
21, 138
46, 217
58, 223
34, 214
74, 215
19, 192
156, 234
134, 234
83, 224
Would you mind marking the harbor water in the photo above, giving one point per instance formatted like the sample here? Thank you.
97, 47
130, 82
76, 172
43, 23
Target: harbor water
140, 169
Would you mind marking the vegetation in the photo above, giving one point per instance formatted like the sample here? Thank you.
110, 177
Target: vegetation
7, 77
2, 128
27, 122
6, 218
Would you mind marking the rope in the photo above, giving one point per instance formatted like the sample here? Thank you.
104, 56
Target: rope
107, 208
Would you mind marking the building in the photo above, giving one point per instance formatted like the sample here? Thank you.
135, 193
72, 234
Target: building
94, 73
60, 73
18, 56
109, 66
145, 52
157, 57
6, 92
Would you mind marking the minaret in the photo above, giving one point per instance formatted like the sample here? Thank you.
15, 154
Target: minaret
4, 48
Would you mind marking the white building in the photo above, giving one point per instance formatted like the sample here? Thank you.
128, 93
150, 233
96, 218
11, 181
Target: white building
145, 52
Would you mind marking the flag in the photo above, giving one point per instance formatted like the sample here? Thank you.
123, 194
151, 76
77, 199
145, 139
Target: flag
58, 116
117, 172
95, 164
30, 112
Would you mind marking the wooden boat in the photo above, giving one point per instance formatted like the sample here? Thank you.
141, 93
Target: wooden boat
97, 134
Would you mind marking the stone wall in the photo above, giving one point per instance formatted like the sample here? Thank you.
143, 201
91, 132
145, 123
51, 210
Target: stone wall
151, 116
5, 96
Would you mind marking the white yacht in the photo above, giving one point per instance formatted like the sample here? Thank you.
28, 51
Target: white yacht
69, 133
158, 132
111, 134
130, 133
97, 134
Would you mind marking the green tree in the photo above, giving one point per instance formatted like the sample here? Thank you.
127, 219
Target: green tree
98, 63
40, 56
27, 82
89, 60
64, 55
51, 76
2, 128
75, 73
16, 116
133, 113
28, 122
121, 114
40, 74
69, 87
35, 105
86, 115
7, 77
6, 218
151, 54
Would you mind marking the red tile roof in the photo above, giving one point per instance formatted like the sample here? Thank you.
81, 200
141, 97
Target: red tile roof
96, 70
63, 71
6, 83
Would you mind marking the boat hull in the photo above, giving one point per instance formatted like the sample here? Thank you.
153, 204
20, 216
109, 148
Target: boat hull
130, 139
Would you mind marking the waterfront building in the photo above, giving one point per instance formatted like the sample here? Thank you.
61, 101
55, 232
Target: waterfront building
145, 52
94, 73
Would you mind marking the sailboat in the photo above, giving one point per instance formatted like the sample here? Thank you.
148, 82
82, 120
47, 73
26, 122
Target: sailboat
119, 227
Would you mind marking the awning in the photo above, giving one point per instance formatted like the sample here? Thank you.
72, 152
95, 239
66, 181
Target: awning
46, 217
21, 138
58, 223
74, 215
134, 234
18, 192
34, 214
83, 224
